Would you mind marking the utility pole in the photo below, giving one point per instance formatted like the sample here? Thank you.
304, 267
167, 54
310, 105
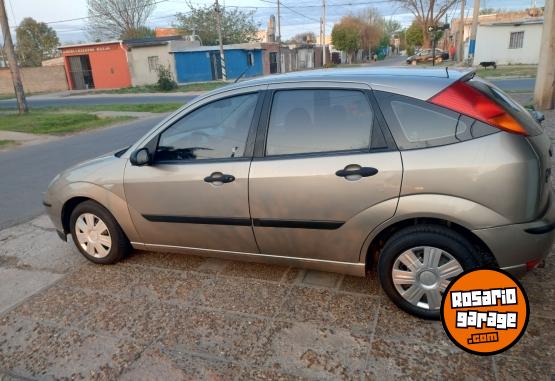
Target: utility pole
219, 25
472, 45
324, 55
279, 36
12, 61
460, 36
544, 94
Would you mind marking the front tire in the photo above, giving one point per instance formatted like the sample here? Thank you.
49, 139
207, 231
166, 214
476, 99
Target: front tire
97, 234
418, 263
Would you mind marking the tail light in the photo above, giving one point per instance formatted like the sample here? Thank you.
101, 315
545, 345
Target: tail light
465, 99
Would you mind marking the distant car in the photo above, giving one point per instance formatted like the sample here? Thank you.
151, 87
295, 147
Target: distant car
426, 55
417, 174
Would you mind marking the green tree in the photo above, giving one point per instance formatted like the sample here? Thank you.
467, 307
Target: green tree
414, 35
346, 37
237, 26
36, 42
140, 32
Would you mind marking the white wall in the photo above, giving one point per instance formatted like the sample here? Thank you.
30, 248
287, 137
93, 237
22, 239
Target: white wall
138, 63
492, 44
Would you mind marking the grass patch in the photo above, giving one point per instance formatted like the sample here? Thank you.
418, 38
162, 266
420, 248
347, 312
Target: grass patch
509, 70
142, 107
47, 122
7, 143
200, 86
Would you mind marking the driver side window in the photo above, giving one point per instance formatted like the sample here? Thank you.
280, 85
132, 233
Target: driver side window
217, 130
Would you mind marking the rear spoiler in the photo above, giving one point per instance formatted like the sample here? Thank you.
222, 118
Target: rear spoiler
467, 74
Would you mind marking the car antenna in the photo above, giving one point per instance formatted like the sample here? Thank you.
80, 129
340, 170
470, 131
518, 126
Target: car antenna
447, 71
241, 75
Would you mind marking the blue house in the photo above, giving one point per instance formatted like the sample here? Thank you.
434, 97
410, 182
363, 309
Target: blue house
202, 63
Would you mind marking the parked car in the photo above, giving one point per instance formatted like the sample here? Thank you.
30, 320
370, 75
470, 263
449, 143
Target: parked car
419, 174
426, 55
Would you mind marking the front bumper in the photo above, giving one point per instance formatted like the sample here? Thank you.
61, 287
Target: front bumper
514, 246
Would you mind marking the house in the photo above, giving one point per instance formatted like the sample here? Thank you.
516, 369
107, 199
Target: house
509, 43
145, 55
99, 65
202, 63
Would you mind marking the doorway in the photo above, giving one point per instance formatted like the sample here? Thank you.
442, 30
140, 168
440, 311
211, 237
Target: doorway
80, 72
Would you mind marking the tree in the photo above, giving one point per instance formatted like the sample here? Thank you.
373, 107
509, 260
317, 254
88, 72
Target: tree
140, 32
391, 26
237, 26
345, 36
414, 35
427, 13
36, 42
371, 28
303, 38
115, 18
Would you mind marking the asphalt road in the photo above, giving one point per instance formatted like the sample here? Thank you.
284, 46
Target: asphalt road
26, 172
42, 101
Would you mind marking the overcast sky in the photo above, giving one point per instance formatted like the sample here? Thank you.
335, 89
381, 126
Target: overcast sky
297, 16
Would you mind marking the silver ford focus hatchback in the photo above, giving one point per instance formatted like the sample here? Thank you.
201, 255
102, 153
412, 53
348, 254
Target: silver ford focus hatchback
419, 174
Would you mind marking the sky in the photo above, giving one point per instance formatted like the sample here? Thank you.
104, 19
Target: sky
296, 16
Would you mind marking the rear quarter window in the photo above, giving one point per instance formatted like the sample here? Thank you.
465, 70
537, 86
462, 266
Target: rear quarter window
418, 124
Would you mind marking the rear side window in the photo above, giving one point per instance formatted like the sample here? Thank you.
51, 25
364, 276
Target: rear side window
419, 124
312, 121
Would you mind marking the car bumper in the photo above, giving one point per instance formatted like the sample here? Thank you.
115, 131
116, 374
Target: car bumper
520, 247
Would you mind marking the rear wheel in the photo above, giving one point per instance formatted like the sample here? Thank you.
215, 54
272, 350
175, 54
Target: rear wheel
418, 263
96, 233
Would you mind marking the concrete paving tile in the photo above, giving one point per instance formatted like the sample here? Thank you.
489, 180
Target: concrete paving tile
159, 364
269, 374
64, 306
111, 279
394, 360
307, 304
138, 319
321, 278
395, 324
34, 350
211, 333
260, 271
368, 285
16, 285
294, 275
243, 295
353, 312
541, 297
212, 265
544, 275
309, 351
165, 260
538, 342
511, 367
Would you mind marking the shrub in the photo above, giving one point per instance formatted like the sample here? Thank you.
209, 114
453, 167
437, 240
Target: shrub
165, 79
410, 51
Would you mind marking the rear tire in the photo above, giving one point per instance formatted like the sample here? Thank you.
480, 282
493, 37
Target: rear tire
97, 235
417, 263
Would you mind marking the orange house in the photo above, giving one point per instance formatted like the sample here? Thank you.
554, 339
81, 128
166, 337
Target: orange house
101, 65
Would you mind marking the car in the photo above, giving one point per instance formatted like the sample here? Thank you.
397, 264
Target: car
426, 55
414, 174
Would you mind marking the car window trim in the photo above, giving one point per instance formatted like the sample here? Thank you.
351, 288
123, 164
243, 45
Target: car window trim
249, 143
264, 124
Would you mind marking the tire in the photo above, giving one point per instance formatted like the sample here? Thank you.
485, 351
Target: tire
93, 244
426, 243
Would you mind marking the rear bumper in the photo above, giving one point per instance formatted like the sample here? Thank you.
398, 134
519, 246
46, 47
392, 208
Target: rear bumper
514, 246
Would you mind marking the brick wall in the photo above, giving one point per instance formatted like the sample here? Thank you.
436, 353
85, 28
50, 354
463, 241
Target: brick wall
35, 79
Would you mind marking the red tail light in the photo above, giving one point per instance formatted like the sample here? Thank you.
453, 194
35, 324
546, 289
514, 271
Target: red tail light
463, 98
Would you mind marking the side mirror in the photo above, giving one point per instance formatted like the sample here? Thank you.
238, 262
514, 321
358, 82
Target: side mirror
141, 157
539, 116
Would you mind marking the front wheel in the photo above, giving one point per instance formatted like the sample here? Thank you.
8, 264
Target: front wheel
418, 263
97, 234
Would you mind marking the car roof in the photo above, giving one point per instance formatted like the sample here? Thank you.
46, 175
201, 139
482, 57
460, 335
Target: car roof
421, 83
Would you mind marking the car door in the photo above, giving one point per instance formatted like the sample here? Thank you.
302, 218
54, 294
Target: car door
195, 193
324, 173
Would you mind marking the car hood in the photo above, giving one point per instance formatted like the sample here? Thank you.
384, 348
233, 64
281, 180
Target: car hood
107, 168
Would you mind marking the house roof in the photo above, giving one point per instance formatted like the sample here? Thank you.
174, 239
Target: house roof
151, 41
90, 44
533, 21
247, 46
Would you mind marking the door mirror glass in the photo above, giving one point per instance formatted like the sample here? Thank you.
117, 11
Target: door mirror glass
140, 157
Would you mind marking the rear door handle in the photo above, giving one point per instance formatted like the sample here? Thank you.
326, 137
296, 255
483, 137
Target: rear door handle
354, 172
219, 178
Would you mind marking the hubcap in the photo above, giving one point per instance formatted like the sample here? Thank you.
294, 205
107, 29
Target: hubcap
93, 235
422, 274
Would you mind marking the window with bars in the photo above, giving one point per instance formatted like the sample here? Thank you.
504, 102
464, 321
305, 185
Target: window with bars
517, 40
153, 63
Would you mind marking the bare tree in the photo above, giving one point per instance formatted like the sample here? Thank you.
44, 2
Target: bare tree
427, 13
116, 18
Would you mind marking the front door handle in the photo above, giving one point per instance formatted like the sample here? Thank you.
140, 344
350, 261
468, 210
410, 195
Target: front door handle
354, 172
219, 178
